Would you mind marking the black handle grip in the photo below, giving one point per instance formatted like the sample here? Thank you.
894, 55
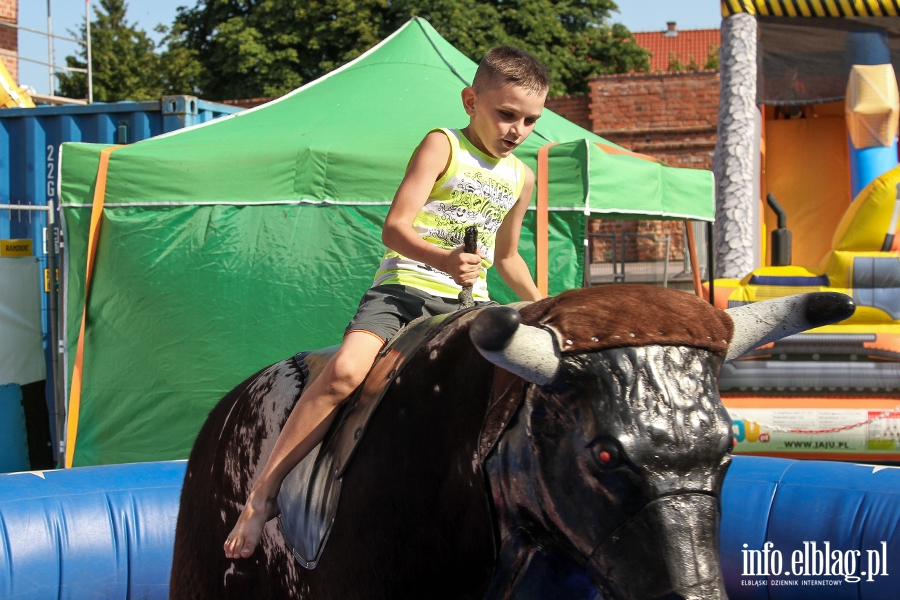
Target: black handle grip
470, 239
470, 245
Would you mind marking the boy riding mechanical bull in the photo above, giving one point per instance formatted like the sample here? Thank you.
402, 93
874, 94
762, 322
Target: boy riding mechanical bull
574, 447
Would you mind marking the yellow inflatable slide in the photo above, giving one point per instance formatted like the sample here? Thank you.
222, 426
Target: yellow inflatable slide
831, 392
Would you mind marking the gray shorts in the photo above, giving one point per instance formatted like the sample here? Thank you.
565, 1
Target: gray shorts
385, 309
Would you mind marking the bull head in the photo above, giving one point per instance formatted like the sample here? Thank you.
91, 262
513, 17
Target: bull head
616, 457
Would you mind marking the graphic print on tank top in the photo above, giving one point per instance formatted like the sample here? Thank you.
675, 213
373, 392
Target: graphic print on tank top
476, 190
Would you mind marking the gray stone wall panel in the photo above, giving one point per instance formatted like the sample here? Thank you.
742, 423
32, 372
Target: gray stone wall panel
736, 160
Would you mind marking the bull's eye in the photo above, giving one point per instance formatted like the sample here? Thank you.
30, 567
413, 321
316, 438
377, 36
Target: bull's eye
607, 451
609, 456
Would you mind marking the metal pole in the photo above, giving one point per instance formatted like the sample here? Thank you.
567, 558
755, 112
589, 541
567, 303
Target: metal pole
666, 264
710, 265
59, 415
586, 275
39, 32
40, 62
90, 71
23, 207
50, 48
61, 332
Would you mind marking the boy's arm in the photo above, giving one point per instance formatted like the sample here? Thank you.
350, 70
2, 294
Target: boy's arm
428, 164
509, 263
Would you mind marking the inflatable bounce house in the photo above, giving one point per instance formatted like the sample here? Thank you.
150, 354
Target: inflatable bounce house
808, 200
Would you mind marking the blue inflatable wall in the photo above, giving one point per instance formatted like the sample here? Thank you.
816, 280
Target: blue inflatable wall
790, 505
107, 532
95, 532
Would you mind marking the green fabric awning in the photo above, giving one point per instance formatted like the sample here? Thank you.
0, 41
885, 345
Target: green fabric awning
617, 184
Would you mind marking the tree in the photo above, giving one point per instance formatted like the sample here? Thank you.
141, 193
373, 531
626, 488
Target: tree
712, 58
252, 48
676, 65
572, 38
125, 65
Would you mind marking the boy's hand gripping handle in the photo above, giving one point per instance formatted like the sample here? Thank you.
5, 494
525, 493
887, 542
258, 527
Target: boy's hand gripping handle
470, 242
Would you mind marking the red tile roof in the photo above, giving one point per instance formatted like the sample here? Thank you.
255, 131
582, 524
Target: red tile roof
688, 43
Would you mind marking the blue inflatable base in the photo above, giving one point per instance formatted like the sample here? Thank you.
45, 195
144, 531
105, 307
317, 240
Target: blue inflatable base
810, 530
93, 532
108, 532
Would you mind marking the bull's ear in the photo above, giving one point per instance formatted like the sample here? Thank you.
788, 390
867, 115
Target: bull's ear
529, 352
763, 322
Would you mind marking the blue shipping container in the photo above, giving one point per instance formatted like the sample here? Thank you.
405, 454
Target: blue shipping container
30, 139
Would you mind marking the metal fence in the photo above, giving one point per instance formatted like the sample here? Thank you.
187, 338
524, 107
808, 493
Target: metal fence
629, 257
88, 71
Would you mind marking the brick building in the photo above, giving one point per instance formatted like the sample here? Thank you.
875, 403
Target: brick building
9, 40
670, 115
672, 49
576, 108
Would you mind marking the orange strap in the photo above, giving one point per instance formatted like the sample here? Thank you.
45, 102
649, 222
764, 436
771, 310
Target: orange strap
542, 233
93, 239
622, 152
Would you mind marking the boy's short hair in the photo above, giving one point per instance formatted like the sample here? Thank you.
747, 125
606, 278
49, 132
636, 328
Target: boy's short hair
505, 64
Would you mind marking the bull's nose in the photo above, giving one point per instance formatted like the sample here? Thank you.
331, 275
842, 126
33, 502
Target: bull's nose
667, 551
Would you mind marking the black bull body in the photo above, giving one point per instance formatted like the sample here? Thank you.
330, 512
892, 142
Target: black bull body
588, 444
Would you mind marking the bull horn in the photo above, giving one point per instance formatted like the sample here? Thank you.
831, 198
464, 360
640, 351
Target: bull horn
529, 352
763, 322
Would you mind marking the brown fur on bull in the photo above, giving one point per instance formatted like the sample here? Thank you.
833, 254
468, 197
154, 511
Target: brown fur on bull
600, 460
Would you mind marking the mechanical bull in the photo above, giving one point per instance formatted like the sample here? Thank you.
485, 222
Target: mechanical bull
574, 449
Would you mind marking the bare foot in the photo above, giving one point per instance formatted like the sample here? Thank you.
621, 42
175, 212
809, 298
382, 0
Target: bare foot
243, 539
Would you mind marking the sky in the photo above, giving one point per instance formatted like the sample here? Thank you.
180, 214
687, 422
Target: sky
67, 15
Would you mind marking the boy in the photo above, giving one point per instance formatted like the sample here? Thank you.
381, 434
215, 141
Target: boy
455, 178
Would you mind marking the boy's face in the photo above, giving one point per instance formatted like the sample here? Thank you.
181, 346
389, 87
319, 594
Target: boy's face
501, 116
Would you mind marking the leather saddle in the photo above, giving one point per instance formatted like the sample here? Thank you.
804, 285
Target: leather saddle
309, 495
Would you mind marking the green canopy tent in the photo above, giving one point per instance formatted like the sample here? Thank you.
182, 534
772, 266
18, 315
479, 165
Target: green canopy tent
618, 184
222, 248
593, 179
